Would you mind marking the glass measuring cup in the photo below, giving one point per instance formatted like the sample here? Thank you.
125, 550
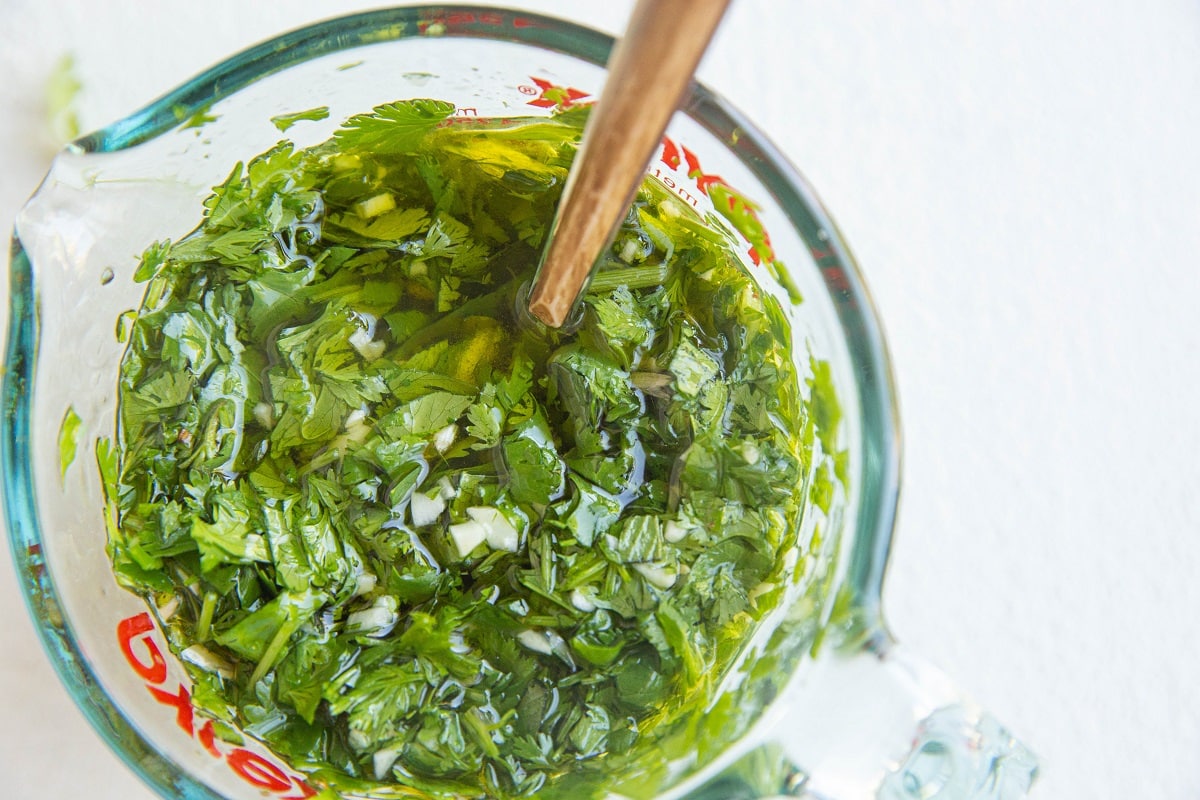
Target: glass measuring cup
824, 705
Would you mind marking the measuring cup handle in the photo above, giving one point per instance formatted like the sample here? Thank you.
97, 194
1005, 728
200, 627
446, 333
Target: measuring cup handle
875, 724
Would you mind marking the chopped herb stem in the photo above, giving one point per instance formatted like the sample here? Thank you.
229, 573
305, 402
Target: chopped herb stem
541, 592
276, 645
606, 280
204, 623
481, 733
584, 576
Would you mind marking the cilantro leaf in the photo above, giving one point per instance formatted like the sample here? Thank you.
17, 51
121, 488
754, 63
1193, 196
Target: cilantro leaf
393, 128
640, 539
486, 422
535, 471
450, 239
152, 261
254, 633
227, 540
592, 388
391, 227
434, 639
425, 415
620, 319
594, 512
692, 369
379, 704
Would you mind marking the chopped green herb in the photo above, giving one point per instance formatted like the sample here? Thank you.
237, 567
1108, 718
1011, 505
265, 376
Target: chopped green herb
419, 541
395, 128
198, 119
285, 121
68, 440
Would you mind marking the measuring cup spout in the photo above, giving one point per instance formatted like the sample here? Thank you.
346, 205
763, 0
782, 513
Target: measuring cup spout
875, 724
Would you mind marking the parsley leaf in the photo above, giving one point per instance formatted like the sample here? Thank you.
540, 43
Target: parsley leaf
393, 128
227, 540
391, 227
424, 416
535, 471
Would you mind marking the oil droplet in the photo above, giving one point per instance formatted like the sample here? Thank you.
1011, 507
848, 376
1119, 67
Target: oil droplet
106, 277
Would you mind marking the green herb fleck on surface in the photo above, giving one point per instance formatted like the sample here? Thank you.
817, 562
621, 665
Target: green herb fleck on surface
285, 121
68, 440
197, 119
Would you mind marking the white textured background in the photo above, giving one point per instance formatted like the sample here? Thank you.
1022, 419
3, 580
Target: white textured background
1021, 184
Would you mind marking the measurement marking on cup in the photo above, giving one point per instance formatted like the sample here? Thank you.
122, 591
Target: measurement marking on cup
552, 96
440, 22
669, 182
138, 638
735, 207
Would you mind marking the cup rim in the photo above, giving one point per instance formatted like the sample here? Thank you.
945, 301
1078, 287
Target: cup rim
872, 372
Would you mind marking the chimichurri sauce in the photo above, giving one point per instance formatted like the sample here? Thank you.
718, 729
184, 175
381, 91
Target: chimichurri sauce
410, 536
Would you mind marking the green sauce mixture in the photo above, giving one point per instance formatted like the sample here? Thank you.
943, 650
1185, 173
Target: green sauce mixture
412, 537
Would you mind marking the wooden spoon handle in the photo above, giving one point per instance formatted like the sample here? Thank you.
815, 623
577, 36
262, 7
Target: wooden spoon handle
648, 72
